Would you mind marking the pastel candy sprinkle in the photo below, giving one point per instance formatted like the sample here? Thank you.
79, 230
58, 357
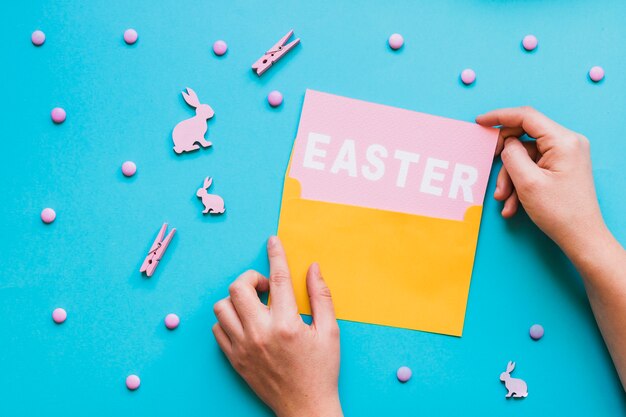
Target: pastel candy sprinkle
132, 382
48, 215
596, 74
172, 321
529, 42
396, 41
404, 373
275, 98
468, 76
38, 38
59, 315
220, 48
130, 36
129, 168
536, 331
58, 115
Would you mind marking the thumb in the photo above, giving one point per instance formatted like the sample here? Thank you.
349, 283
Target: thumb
518, 163
321, 301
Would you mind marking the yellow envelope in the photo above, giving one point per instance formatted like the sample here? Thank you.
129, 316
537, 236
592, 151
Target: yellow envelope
394, 231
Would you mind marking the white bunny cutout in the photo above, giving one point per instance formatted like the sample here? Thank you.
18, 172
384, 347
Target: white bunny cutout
213, 203
516, 387
189, 133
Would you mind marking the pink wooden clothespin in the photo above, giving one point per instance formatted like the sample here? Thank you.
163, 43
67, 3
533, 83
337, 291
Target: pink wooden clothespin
157, 250
274, 54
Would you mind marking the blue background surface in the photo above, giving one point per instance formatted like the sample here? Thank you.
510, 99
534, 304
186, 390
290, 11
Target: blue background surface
122, 103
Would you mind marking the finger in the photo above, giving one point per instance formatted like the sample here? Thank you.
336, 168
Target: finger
222, 339
510, 206
506, 132
281, 289
504, 185
243, 294
531, 148
521, 168
530, 120
228, 319
322, 308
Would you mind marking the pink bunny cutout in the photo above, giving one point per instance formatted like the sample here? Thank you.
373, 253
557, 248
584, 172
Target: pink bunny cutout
213, 203
188, 133
516, 387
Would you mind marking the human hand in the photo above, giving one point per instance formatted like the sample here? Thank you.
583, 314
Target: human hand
550, 176
291, 366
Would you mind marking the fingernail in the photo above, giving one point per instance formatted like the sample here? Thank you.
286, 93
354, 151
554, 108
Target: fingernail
315, 268
497, 189
271, 242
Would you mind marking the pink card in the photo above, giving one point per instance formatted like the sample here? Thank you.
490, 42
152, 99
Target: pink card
370, 155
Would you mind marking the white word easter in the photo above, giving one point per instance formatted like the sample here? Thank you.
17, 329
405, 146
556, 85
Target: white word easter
374, 167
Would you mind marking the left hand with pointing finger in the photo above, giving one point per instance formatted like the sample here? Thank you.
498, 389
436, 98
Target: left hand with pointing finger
293, 367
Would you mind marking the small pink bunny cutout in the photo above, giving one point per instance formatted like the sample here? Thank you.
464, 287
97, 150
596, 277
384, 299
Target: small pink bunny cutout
516, 387
213, 203
188, 133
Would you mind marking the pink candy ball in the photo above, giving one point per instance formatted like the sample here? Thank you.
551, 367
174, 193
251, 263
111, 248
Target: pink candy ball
596, 74
59, 315
404, 373
536, 331
48, 215
38, 38
275, 98
468, 76
132, 382
129, 168
130, 36
58, 115
172, 321
529, 42
396, 41
220, 48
